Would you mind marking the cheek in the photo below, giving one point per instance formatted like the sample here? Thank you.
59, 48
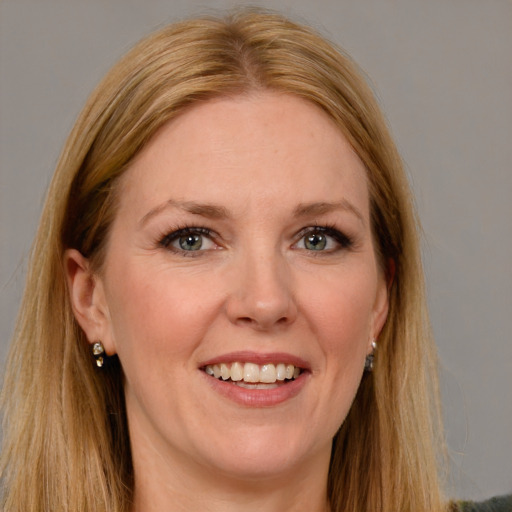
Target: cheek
340, 309
156, 311
340, 312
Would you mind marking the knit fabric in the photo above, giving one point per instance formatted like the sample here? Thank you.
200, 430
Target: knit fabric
498, 504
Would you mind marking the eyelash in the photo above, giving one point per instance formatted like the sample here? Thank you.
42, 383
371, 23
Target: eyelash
344, 241
166, 240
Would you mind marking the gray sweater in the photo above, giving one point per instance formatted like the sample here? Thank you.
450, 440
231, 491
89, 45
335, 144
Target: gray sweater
498, 504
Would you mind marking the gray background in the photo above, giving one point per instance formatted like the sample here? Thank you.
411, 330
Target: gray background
442, 70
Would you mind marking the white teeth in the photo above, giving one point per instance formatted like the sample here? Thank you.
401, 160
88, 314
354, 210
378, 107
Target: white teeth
252, 373
259, 385
237, 372
224, 371
280, 371
268, 373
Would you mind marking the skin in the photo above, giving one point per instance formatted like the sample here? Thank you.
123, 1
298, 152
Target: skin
253, 286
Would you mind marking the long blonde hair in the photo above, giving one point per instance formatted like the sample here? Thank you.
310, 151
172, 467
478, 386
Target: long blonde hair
66, 444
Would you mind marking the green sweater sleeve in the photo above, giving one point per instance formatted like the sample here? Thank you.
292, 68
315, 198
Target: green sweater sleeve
498, 504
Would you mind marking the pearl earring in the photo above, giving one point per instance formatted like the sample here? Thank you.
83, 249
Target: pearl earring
98, 352
369, 361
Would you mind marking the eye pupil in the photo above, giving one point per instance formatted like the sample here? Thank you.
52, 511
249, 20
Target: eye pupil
315, 242
191, 242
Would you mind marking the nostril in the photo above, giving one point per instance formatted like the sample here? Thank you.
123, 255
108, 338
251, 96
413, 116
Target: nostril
261, 324
261, 308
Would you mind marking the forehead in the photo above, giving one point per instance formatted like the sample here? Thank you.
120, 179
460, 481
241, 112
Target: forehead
266, 148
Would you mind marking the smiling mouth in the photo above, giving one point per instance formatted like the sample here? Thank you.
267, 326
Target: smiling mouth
254, 376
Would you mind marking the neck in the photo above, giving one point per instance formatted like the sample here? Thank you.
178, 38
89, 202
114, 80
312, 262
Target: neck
230, 500
162, 486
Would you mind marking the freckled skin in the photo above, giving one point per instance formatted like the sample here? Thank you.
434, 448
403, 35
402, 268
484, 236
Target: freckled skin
254, 286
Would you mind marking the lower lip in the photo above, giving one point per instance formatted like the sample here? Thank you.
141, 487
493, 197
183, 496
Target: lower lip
258, 397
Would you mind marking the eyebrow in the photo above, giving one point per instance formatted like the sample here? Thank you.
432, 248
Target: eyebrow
212, 211
322, 208
204, 210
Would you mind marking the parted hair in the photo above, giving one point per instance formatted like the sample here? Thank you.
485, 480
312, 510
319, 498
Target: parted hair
65, 436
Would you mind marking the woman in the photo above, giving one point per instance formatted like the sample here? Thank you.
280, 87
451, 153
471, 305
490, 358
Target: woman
225, 306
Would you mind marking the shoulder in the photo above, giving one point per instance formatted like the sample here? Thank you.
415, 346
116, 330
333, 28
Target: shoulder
498, 504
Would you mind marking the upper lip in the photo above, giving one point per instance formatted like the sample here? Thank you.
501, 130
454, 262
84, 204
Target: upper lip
257, 358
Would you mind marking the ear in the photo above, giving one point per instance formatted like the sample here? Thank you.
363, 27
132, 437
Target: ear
88, 300
380, 308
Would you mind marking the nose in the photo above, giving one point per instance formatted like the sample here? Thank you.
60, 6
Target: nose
261, 294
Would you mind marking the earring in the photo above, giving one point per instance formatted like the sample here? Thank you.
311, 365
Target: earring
368, 363
98, 352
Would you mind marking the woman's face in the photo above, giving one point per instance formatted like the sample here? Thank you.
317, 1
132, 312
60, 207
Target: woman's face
241, 247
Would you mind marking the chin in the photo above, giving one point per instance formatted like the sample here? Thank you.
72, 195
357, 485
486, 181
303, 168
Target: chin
265, 453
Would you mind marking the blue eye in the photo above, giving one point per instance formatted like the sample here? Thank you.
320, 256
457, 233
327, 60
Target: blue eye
323, 239
315, 242
188, 240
